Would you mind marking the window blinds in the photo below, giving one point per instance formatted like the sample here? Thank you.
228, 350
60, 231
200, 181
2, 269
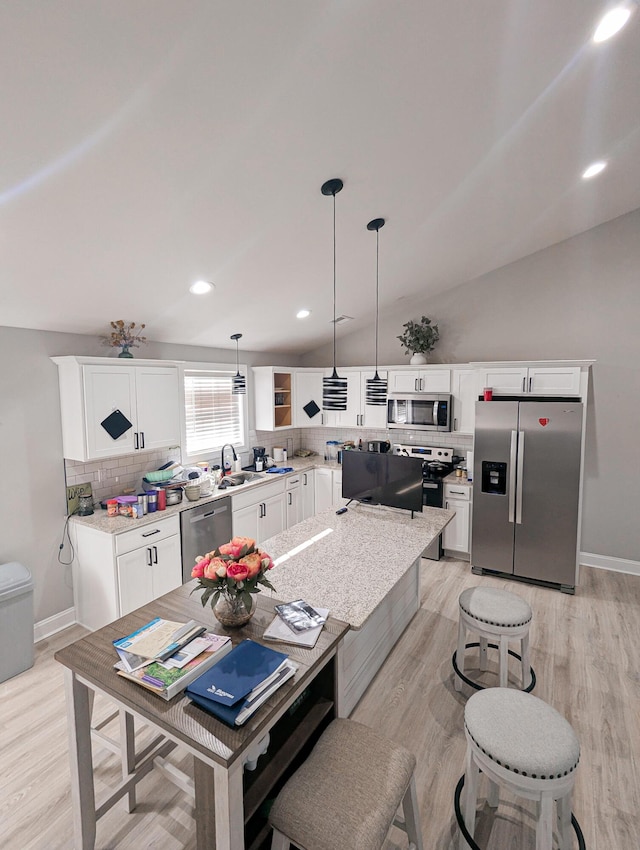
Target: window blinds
213, 415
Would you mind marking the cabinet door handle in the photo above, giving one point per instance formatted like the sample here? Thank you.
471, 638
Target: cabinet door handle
155, 554
322, 418
304, 478
530, 384
135, 440
290, 499
415, 383
149, 558
151, 533
455, 424
524, 385
141, 439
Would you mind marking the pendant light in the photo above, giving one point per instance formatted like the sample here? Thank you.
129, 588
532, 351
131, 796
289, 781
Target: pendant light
334, 389
376, 393
239, 381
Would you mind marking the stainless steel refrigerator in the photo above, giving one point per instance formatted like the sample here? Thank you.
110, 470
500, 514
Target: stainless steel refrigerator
526, 489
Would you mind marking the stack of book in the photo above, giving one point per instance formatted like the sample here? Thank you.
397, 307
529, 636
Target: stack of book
241, 682
164, 656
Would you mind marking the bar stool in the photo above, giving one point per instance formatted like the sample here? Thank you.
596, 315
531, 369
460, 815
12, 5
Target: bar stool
345, 796
526, 747
494, 615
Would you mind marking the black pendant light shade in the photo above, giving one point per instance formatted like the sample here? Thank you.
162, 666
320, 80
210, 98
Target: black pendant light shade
239, 386
334, 389
376, 392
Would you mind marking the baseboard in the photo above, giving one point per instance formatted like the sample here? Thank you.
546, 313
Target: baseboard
48, 627
604, 562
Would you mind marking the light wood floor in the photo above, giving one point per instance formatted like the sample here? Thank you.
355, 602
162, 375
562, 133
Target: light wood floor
586, 654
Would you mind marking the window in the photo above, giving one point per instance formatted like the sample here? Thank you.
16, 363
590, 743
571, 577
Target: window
213, 414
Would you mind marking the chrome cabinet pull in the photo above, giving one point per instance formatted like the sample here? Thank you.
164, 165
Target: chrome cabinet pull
149, 559
135, 440
141, 439
290, 498
151, 533
155, 554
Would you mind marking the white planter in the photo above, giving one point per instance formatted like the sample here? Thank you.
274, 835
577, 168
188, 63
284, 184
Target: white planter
418, 359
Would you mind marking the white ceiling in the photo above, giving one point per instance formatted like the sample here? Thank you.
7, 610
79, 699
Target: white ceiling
151, 143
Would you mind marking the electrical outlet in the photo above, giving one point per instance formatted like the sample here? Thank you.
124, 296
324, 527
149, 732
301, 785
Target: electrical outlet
73, 496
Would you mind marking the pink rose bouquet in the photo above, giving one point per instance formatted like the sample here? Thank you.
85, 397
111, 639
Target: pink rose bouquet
233, 571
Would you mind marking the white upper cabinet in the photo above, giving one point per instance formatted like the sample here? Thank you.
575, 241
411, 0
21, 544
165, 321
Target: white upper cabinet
308, 394
534, 380
371, 415
464, 393
274, 397
358, 412
94, 389
420, 381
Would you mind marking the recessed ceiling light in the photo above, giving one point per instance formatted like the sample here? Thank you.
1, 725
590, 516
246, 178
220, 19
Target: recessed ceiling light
201, 287
302, 314
612, 22
593, 169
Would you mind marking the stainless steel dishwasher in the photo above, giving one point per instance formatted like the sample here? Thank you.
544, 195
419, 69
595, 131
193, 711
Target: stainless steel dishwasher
202, 529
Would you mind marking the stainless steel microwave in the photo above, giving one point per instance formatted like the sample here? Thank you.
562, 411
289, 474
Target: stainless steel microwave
419, 411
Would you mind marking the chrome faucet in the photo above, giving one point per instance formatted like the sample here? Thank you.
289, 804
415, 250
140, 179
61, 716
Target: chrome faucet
226, 467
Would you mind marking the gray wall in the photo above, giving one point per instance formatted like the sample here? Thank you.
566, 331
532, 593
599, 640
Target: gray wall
34, 503
579, 299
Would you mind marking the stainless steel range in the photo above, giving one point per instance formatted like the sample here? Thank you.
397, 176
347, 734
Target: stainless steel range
437, 463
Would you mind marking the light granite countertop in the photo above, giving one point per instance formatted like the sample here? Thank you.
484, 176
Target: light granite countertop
100, 520
349, 563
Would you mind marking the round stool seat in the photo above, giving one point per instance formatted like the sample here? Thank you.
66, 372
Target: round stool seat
495, 607
522, 733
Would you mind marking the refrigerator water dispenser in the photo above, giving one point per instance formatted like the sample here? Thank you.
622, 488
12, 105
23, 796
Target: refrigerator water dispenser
494, 477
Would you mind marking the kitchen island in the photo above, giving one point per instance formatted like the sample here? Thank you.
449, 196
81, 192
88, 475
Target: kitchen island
364, 565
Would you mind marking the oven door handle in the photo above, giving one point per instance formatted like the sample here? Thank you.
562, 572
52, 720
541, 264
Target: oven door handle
513, 455
429, 485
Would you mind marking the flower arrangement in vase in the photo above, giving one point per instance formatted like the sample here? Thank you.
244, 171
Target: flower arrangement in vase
229, 577
125, 335
419, 338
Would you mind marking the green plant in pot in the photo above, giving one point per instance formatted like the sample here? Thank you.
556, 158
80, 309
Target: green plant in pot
419, 338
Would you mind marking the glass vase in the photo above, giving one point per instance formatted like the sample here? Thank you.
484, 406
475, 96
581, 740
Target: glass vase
232, 612
125, 352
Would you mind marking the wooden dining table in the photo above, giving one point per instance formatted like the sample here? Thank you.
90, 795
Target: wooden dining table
228, 800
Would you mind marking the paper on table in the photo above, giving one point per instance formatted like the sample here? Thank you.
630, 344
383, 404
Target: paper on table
279, 631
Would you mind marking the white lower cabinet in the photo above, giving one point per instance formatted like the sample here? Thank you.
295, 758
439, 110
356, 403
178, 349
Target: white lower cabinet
115, 573
328, 489
259, 513
148, 572
456, 535
293, 498
307, 489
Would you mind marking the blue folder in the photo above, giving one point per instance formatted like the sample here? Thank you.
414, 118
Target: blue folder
237, 674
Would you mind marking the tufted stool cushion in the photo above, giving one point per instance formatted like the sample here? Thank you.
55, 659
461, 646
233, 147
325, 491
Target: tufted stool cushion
525, 746
345, 795
495, 607
522, 733
497, 617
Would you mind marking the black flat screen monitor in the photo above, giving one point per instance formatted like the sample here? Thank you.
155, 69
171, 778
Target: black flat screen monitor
382, 479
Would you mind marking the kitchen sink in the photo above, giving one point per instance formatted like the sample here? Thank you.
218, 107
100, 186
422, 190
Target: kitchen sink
235, 479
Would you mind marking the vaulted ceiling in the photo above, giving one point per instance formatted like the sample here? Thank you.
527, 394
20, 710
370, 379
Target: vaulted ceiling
149, 144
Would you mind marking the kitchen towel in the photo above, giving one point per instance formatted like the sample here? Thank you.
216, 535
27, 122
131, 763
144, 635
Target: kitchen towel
279, 470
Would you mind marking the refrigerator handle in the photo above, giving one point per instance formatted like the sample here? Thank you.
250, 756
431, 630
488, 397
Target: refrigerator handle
520, 477
513, 455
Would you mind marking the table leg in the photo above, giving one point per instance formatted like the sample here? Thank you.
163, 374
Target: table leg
83, 801
221, 825
128, 754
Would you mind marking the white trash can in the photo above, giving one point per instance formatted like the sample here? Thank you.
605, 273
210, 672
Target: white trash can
16, 620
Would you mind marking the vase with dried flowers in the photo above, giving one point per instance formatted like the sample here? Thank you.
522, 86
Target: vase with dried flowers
125, 335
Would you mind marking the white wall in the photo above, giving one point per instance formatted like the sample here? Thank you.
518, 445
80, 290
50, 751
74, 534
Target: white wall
34, 500
579, 299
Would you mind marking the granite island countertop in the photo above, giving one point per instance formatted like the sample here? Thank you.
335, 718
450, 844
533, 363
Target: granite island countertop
350, 562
